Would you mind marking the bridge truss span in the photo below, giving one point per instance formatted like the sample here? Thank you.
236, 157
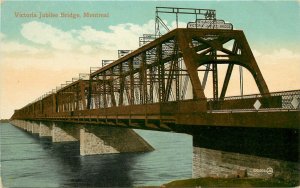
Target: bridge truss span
158, 87
167, 69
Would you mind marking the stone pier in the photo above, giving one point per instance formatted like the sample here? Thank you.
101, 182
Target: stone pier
19, 123
214, 163
104, 140
28, 126
246, 153
64, 133
45, 129
35, 127
93, 139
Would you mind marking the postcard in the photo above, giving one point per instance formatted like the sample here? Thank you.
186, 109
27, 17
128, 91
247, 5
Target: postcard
149, 93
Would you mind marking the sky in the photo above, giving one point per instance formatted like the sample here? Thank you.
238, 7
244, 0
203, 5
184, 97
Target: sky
39, 54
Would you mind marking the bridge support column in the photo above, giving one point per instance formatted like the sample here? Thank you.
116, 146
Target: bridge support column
214, 163
241, 152
64, 133
28, 126
35, 127
18, 123
104, 140
22, 124
45, 130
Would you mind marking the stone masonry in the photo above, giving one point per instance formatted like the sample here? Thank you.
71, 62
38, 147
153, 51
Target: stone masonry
93, 139
44, 130
60, 135
103, 140
35, 127
214, 163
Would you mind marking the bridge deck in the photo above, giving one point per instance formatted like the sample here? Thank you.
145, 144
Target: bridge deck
171, 115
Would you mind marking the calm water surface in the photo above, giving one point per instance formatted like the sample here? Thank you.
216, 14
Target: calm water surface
30, 161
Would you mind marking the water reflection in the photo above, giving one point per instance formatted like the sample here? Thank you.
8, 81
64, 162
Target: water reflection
31, 161
105, 171
110, 170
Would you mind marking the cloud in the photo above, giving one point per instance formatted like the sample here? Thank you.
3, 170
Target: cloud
86, 49
51, 48
281, 55
41, 33
16, 48
121, 36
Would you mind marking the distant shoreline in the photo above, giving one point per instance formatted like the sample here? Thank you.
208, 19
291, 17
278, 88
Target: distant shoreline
4, 120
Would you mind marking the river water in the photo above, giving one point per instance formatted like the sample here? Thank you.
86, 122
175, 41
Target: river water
30, 161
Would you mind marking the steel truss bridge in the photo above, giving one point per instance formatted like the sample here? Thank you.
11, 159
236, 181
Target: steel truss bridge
158, 87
